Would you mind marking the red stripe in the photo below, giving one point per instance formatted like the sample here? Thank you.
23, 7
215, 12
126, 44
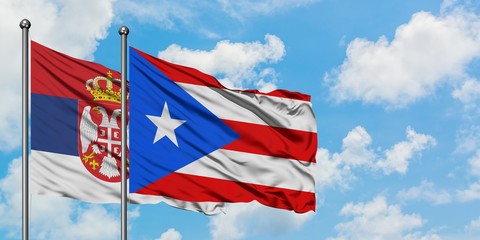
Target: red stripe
273, 141
57, 74
281, 93
179, 73
190, 188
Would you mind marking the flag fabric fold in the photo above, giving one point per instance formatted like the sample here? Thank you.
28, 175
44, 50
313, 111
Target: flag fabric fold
193, 143
75, 132
75, 136
193, 140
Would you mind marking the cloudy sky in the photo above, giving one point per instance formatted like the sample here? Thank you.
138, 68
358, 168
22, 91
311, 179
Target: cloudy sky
395, 88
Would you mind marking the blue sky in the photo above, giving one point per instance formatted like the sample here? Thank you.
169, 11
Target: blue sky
395, 89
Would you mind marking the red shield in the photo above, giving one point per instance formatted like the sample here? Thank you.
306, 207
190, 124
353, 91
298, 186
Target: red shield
99, 139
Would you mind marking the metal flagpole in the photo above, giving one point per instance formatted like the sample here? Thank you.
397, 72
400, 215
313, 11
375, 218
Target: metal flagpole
25, 26
123, 31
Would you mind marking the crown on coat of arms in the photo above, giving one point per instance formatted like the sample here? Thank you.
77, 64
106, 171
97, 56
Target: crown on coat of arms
106, 92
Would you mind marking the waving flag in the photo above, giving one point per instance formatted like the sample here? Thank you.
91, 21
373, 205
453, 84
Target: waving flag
76, 129
193, 140
75, 134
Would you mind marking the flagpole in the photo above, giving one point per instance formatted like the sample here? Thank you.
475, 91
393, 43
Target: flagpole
123, 31
25, 26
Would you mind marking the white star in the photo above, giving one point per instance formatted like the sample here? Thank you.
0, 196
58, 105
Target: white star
165, 125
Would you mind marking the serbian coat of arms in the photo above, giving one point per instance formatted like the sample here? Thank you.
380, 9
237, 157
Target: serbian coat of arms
100, 129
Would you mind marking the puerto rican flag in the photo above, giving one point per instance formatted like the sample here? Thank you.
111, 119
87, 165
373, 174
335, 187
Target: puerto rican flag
193, 140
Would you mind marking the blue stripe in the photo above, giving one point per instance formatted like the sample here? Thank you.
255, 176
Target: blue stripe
54, 124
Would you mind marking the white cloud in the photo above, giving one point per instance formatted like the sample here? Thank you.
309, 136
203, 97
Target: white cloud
474, 163
169, 14
468, 93
242, 69
470, 194
425, 191
69, 26
202, 17
134, 213
11, 196
242, 9
420, 236
52, 217
411, 66
331, 171
378, 220
164, 13
170, 234
471, 231
473, 226
91, 222
337, 169
355, 150
398, 157
448, 5
468, 140
244, 219
73, 27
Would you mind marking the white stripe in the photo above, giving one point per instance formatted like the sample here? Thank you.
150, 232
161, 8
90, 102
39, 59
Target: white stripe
254, 108
64, 175
256, 169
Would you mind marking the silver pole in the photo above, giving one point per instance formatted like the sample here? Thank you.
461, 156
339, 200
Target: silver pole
123, 31
25, 26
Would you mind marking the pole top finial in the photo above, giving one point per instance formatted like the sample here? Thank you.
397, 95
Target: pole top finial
25, 24
123, 30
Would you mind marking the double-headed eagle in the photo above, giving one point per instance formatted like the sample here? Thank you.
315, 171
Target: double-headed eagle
89, 135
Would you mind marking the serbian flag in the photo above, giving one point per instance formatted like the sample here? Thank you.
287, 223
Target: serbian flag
193, 140
75, 130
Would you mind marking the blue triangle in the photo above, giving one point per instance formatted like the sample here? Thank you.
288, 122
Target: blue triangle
201, 134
